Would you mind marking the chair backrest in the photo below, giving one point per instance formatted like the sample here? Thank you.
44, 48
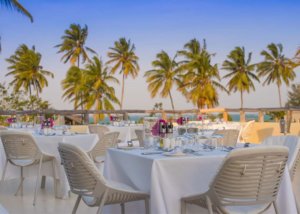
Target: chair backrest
249, 176
193, 130
291, 142
83, 176
229, 136
19, 145
99, 130
245, 130
107, 141
295, 168
140, 136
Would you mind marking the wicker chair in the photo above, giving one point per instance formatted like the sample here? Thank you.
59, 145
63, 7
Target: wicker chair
107, 141
88, 183
295, 171
230, 136
248, 177
140, 136
245, 131
99, 130
21, 150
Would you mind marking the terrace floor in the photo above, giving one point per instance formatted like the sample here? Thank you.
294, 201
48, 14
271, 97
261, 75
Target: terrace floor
46, 202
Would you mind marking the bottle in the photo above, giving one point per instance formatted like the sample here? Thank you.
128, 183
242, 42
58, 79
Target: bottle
163, 128
169, 128
161, 142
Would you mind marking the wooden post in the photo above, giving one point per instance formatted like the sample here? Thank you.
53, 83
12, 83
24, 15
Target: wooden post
261, 116
225, 116
86, 119
242, 116
125, 116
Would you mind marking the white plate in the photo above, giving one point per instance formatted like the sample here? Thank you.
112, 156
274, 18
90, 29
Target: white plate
172, 154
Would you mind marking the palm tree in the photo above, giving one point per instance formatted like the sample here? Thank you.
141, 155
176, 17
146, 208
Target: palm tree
201, 79
240, 72
98, 91
73, 86
73, 45
276, 67
124, 59
26, 70
294, 96
163, 76
15, 5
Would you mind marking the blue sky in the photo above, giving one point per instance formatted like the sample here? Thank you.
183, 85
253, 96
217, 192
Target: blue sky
155, 25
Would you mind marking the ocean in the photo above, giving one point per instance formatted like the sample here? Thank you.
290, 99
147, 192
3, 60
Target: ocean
234, 117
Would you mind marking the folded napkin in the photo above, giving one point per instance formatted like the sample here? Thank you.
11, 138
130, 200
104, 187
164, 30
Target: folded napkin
135, 143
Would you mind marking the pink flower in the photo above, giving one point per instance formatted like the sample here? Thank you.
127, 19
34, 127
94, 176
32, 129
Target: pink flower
180, 120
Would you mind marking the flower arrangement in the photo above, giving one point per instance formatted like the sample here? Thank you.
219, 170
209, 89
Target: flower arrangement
11, 120
200, 118
155, 128
48, 123
182, 120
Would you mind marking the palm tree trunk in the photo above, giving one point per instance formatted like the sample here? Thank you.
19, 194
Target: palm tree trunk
279, 93
242, 100
171, 100
122, 95
30, 94
78, 61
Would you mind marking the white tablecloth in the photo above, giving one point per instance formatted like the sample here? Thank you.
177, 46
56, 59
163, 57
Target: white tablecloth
169, 179
49, 144
126, 132
214, 125
292, 142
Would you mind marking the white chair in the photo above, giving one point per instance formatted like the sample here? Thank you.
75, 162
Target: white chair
229, 136
22, 151
140, 136
249, 178
293, 143
245, 132
109, 140
98, 129
88, 183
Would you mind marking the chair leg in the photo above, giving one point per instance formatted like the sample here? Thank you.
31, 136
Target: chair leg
147, 207
275, 207
43, 182
99, 211
54, 178
76, 204
20, 188
183, 207
122, 208
4, 172
209, 205
37, 180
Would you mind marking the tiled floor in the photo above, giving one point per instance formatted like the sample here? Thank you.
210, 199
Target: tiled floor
46, 202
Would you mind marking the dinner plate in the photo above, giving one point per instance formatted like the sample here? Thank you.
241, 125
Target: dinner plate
173, 154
